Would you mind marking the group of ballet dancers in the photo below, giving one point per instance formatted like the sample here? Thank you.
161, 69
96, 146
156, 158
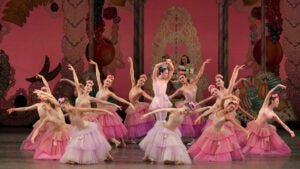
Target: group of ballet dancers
160, 124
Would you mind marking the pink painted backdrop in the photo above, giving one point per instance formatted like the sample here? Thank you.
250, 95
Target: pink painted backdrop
42, 35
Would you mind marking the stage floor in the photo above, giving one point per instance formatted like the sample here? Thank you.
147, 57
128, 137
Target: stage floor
131, 157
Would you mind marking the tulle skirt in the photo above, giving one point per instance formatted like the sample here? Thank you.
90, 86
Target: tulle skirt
162, 144
136, 126
215, 145
112, 126
87, 146
265, 140
27, 145
186, 128
52, 144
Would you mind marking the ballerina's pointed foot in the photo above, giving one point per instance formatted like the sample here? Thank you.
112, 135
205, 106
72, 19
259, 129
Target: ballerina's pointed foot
109, 158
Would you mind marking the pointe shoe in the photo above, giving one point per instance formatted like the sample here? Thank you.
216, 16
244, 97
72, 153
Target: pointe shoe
118, 144
109, 158
146, 159
178, 163
168, 162
71, 162
191, 143
121, 145
133, 141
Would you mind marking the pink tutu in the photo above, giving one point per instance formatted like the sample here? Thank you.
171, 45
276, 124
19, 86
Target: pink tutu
52, 145
87, 146
265, 140
214, 145
93, 117
27, 145
112, 126
162, 144
136, 126
186, 128
240, 135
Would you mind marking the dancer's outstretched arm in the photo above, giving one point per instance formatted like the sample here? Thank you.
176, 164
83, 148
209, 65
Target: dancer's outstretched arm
146, 95
121, 100
97, 110
171, 71
176, 93
169, 110
246, 113
32, 107
234, 122
283, 125
206, 113
201, 109
205, 100
96, 100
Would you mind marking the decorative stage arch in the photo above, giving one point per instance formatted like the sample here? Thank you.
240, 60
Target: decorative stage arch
176, 29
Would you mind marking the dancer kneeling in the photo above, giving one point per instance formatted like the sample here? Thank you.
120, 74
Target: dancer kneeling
218, 143
263, 136
163, 142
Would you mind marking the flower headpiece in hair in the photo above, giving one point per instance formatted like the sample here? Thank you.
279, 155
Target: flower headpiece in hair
111, 77
275, 96
61, 100
218, 76
191, 105
90, 82
211, 87
231, 100
179, 73
43, 99
44, 89
144, 76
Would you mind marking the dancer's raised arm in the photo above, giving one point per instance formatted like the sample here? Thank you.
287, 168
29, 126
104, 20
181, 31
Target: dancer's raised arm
234, 77
171, 71
155, 70
98, 74
269, 94
201, 71
48, 96
38, 76
133, 82
78, 90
